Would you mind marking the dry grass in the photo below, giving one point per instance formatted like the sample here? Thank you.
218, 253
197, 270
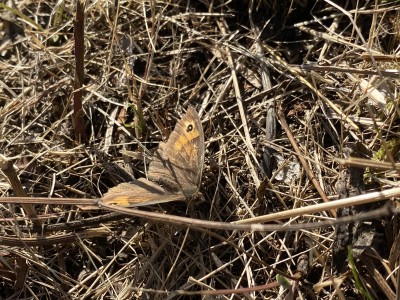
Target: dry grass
298, 84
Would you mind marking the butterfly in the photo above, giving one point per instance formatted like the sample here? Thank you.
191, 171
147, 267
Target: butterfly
174, 173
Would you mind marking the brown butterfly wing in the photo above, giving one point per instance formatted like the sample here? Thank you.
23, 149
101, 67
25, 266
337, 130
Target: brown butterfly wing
178, 164
138, 193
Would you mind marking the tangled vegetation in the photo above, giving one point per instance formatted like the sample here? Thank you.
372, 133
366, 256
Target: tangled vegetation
299, 106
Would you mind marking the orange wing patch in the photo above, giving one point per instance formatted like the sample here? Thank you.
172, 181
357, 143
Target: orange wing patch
184, 141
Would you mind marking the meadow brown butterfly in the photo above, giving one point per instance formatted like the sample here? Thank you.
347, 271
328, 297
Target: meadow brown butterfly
174, 172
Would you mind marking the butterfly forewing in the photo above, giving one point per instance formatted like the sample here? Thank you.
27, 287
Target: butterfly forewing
178, 163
